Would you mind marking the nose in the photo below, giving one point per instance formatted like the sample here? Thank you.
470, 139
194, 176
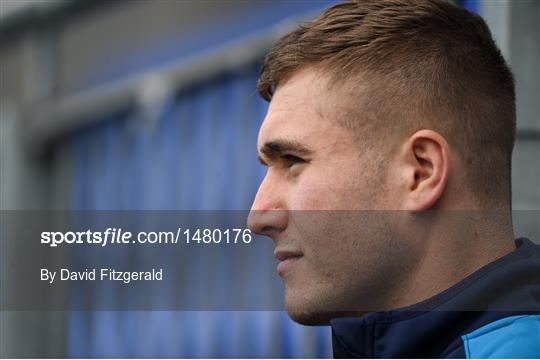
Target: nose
268, 222
268, 215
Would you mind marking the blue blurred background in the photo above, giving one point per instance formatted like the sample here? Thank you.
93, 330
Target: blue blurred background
152, 105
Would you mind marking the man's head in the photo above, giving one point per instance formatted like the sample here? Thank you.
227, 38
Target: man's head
376, 105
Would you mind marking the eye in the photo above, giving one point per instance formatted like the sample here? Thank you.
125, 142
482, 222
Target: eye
291, 160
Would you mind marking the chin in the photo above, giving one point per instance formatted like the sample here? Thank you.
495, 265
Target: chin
313, 318
305, 310
319, 309
314, 312
310, 318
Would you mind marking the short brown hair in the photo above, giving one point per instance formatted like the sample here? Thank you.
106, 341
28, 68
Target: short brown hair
429, 63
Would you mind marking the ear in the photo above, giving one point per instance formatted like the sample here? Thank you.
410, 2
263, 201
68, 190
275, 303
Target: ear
427, 164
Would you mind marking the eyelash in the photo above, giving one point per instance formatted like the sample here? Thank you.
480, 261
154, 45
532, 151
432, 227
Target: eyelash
292, 159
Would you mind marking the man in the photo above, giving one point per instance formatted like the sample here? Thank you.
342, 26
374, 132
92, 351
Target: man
388, 142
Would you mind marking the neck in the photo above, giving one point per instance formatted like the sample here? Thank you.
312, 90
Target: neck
454, 248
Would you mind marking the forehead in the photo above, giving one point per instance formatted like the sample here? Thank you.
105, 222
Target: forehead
301, 110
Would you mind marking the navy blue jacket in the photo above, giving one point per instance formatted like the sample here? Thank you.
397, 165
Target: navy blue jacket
492, 313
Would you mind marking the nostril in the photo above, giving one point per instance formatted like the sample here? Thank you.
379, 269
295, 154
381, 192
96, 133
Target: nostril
265, 230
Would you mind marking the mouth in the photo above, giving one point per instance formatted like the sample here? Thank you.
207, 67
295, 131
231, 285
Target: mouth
287, 259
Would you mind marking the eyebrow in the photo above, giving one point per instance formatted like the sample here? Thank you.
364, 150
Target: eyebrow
276, 148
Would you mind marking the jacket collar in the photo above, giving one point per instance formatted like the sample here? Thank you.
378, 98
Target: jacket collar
433, 327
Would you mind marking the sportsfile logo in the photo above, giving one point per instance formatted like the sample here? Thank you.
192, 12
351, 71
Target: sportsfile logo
121, 237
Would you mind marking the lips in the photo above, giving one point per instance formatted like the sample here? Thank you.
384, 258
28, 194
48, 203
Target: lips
287, 259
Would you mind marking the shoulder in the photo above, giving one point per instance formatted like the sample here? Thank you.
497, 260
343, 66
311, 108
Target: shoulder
510, 337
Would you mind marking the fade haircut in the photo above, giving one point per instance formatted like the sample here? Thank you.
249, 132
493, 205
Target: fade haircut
425, 64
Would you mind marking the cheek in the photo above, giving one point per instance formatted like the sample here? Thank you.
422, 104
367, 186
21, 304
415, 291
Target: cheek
334, 238
333, 190
308, 195
348, 255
